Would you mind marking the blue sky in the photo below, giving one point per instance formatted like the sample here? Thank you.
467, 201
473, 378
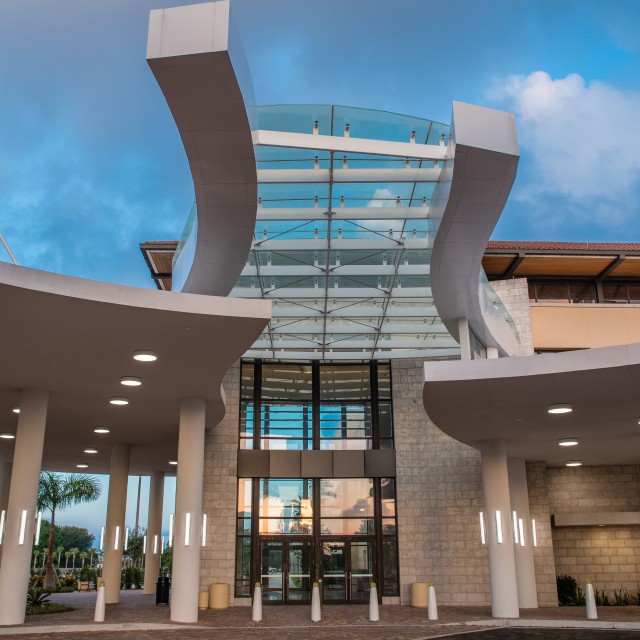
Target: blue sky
91, 164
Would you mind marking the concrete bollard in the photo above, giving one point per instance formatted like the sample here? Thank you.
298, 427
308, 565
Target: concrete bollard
100, 603
592, 612
432, 605
256, 614
374, 613
316, 614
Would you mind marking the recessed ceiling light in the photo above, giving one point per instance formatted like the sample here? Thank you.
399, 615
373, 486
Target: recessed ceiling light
8, 436
131, 381
145, 356
82, 466
568, 442
119, 401
559, 408
17, 410
173, 462
91, 450
101, 430
573, 463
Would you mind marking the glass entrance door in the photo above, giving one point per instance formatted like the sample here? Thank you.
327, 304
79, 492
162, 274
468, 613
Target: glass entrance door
285, 570
347, 570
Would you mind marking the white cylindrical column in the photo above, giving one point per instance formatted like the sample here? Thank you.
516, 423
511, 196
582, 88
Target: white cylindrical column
5, 483
114, 530
525, 567
23, 495
185, 580
502, 567
154, 532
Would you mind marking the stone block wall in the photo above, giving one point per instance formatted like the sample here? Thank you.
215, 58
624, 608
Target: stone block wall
219, 500
514, 294
609, 556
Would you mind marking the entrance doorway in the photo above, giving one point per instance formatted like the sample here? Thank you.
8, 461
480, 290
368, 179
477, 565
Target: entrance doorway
347, 570
285, 570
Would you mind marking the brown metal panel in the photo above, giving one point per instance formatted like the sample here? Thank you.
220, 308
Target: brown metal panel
316, 464
253, 464
497, 265
348, 464
284, 464
629, 268
380, 463
563, 265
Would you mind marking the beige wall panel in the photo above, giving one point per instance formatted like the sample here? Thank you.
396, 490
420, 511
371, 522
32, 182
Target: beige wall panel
577, 326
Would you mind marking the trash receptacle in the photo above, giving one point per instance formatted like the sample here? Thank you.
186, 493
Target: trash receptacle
419, 594
162, 590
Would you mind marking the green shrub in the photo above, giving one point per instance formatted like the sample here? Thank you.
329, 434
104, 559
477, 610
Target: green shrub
37, 596
48, 607
621, 598
602, 599
567, 591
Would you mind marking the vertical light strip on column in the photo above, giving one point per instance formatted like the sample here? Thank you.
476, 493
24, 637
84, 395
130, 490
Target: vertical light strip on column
23, 527
515, 526
521, 531
187, 529
171, 529
499, 527
36, 537
116, 541
101, 538
161, 544
204, 529
155, 544
483, 529
3, 515
144, 544
126, 539
533, 532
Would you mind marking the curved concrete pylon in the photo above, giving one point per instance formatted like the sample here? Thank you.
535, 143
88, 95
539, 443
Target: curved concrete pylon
475, 183
199, 65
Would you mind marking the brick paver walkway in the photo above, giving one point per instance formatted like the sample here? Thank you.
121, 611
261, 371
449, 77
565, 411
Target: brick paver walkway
339, 622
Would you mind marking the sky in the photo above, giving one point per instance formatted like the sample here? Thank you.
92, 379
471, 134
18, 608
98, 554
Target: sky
91, 163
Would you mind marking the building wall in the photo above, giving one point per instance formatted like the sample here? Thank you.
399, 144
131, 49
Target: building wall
584, 326
219, 500
609, 556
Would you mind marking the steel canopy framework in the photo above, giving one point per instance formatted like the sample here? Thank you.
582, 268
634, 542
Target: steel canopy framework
343, 234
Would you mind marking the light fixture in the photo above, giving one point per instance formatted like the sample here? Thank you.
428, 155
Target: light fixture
144, 544
483, 529
204, 529
23, 527
573, 463
559, 408
91, 450
8, 436
131, 381
82, 466
116, 539
499, 527
161, 544
173, 462
145, 356
187, 529
126, 538
117, 400
101, 430
171, 529
534, 535
3, 515
568, 442
36, 537
515, 527
521, 530
101, 538
16, 409
155, 543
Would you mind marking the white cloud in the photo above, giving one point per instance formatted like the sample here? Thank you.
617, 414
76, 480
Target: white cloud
583, 140
382, 198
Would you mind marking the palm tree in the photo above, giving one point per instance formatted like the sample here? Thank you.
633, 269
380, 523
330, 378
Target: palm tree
36, 553
74, 551
92, 552
83, 556
59, 551
67, 555
59, 492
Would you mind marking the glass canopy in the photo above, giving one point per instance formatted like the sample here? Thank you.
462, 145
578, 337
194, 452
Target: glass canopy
343, 236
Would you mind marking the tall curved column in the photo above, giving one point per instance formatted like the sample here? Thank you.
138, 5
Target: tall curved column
154, 532
5, 483
114, 531
23, 494
525, 567
502, 567
186, 541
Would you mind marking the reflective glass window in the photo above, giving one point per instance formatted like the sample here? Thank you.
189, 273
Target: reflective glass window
345, 382
285, 507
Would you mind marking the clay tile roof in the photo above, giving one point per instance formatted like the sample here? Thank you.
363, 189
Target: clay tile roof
563, 246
